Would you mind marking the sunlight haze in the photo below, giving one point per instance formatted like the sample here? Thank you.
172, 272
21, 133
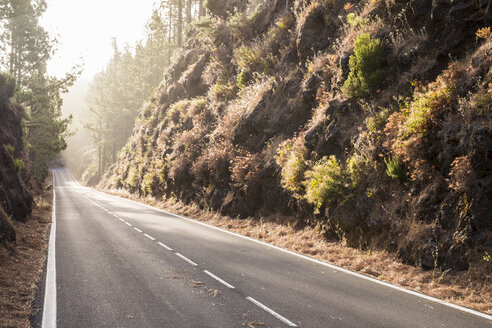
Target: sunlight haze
85, 29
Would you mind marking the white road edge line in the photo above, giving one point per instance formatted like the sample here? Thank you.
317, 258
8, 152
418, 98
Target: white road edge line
150, 237
275, 314
218, 279
186, 259
331, 266
49, 305
165, 246
137, 229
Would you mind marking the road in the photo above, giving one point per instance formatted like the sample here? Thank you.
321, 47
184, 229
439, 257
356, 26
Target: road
124, 264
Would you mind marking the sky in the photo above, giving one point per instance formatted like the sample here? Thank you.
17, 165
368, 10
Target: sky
85, 29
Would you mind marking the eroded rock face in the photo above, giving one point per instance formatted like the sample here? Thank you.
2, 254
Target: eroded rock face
15, 195
313, 34
460, 10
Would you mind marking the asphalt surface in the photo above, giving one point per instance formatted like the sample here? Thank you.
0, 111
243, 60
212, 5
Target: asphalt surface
124, 264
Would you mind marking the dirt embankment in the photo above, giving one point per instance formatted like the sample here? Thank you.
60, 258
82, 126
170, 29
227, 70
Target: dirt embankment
15, 189
21, 264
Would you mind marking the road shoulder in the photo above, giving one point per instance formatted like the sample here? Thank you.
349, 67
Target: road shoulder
22, 266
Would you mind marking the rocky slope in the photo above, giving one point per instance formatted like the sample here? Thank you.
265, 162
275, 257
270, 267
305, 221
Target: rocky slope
15, 192
369, 120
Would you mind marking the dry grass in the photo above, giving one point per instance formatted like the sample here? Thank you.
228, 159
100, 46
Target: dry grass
472, 289
21, 265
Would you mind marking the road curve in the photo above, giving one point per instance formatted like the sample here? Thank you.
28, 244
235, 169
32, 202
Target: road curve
124, 264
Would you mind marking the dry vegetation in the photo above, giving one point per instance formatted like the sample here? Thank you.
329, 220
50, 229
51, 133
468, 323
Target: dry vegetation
472, 289
21, 264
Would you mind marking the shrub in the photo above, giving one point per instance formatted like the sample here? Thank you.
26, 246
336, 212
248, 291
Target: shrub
377, 122
246, 171
291, 158
19, 164
177, 111
395, 169
243, 79
11, 149
324, 182
427, 103
365, 64
148, 183
357, 167
224, 91
483, 33
213, 166
132, 178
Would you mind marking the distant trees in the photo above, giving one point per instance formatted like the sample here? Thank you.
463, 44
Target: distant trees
25, 51
117, 93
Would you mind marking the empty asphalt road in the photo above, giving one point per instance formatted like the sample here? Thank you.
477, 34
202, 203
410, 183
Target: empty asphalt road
117, 263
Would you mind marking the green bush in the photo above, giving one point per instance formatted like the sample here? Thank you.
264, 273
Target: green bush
291, 158
358, 166
11, 149
377, 122
243, 79
19, 164
8, 82
224, 91
365, 67
148, 183
133, 177
395, 169
324, 182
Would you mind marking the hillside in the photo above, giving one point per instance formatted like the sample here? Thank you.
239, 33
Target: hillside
369, 121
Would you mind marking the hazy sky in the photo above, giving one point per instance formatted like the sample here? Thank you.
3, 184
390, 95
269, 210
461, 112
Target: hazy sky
85, 29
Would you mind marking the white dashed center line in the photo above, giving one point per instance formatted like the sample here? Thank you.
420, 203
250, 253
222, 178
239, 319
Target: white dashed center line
186, 259
218, 279
129, 224
150, 237
137, 229
165, 246
275, 314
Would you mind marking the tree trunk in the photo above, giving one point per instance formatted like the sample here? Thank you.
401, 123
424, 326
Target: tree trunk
188, 11
201, 9
180, 23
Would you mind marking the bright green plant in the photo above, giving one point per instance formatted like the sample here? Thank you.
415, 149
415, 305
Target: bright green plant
19, 164
224, 90
365, 67
148, 182
291, 158
243, 79
486, 257
324, 182
395, 169
357, 167
132, 178
11, 149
